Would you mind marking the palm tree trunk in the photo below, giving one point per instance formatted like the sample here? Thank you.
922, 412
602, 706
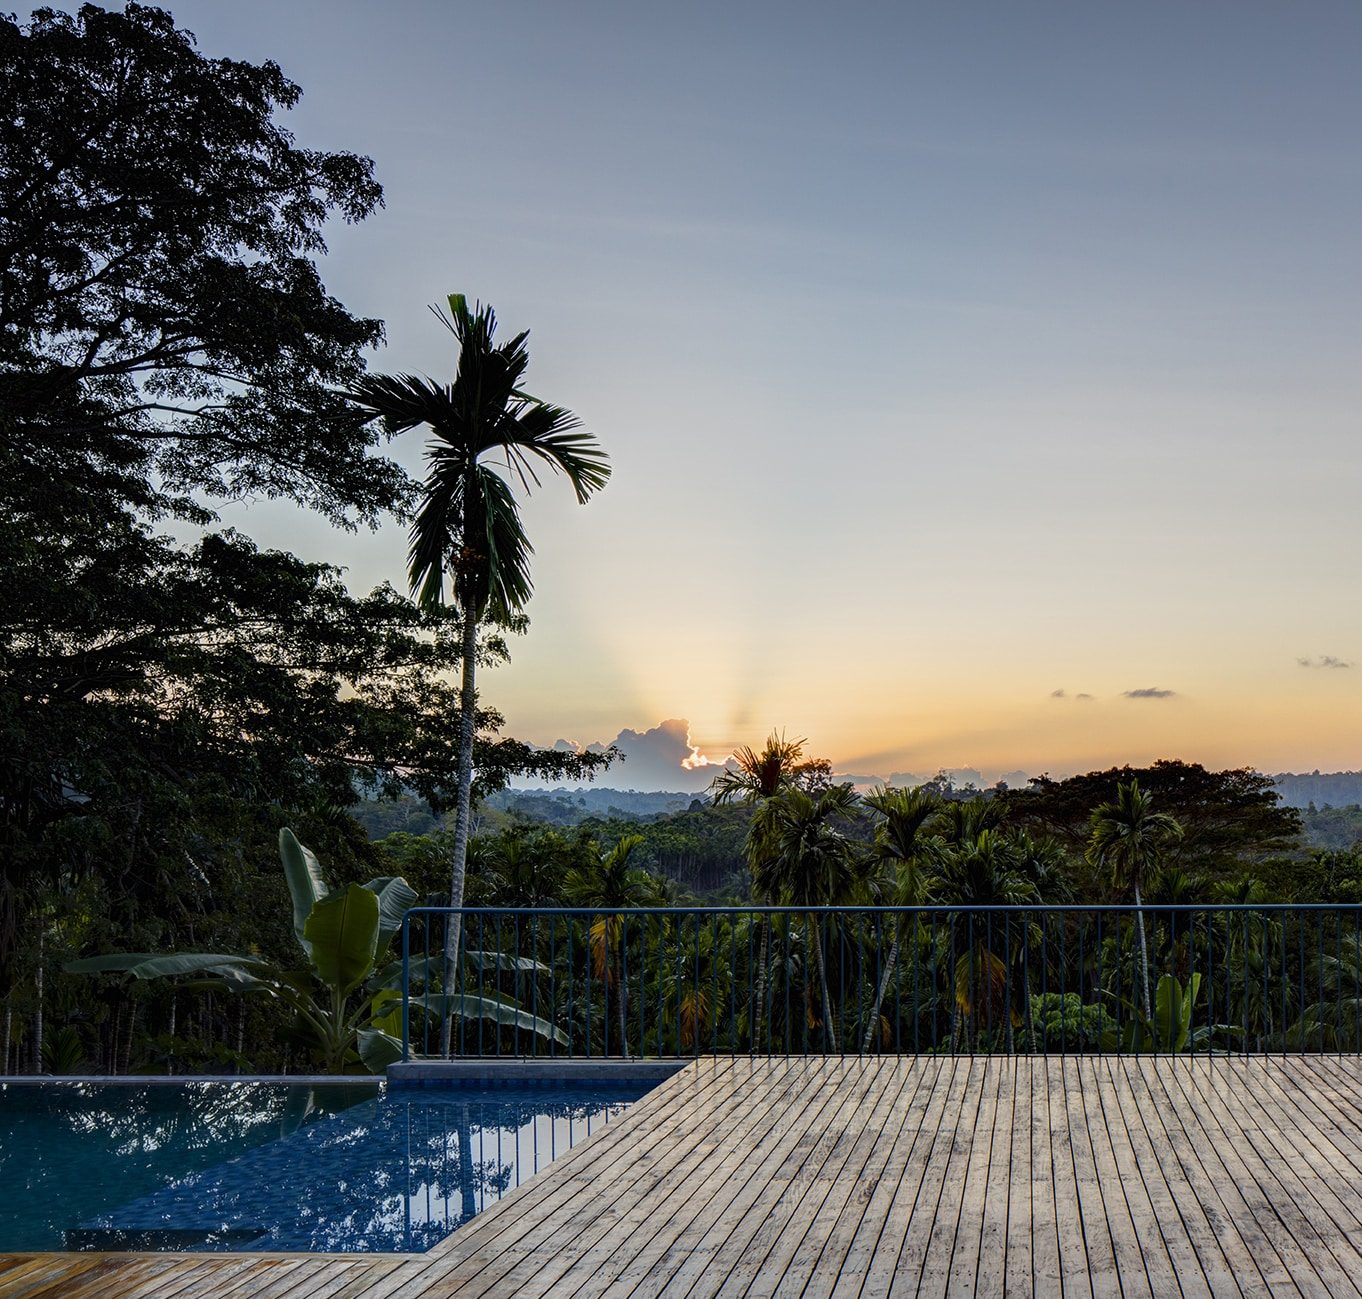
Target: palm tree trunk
38, 1014
468, 1187
880, 992
1144, 955
829, 1024
759, 1009
622, 1001
467, 701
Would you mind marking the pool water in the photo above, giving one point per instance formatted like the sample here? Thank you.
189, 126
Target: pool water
269, 1166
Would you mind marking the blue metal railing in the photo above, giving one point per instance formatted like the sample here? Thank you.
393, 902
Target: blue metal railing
679, 981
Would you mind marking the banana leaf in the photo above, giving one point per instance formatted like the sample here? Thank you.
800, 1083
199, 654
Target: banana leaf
378, 1049
395, 898
506, 1013
484, 961
303, 872
140, 965
343, 931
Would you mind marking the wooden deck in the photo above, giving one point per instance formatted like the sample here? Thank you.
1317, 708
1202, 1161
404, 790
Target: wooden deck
1092, 1177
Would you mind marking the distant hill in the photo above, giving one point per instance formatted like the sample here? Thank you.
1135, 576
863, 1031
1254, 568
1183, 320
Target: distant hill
1330, 788
571, 806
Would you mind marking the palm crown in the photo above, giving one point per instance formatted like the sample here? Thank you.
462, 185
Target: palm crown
468, 520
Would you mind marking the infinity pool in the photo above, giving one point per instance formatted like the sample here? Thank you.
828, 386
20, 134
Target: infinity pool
270, 1166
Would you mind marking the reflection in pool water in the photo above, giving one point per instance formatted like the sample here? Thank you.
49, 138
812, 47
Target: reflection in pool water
266, 1166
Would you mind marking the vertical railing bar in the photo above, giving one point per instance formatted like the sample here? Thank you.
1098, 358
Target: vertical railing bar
787, 986
406, 987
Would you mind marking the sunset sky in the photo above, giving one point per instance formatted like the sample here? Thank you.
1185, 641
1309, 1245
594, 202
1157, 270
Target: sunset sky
957, 362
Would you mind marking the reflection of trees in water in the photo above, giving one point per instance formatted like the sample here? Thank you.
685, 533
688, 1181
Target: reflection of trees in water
65, 1146
187, 1117
396, 1173
455, 1158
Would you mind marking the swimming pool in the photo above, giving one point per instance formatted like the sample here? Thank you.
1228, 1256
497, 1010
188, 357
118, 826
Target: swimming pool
273, 1166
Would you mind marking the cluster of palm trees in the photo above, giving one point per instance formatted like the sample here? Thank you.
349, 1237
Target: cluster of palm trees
925, 850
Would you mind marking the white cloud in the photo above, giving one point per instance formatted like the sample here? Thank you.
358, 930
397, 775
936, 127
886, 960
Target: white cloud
662, 758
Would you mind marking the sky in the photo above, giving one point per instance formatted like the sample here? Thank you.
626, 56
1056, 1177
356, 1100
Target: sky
982, 382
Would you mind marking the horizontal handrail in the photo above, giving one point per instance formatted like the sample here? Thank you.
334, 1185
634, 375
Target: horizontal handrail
792, 909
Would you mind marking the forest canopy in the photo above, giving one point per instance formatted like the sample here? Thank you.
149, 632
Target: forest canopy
167, 344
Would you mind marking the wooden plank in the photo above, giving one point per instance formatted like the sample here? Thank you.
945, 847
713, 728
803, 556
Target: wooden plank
1018, 1275
1176, 1222
962, 1265
831, 1266
905, 1268
1046, 1263
1306, 1203
1276, 1254
660, 1224
683, 1247
1180, 1209
875, 1229
990, 1264
1338, 1144
1089, 1204
1129, 1259
934, 1277
808, 1219
1070, 1227
754, 1235
1183, 1139
518, 1225
1158, 1264
577, 1210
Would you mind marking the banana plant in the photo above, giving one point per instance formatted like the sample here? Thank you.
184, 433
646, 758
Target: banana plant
348, 998
1169, 1029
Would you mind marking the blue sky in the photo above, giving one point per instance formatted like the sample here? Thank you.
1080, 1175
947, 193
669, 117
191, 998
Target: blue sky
950, 357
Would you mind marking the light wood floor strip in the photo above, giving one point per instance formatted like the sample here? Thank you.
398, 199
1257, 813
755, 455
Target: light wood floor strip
655, 1212
1295, 1204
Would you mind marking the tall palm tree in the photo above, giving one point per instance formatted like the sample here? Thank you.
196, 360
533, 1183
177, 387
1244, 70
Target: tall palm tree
756, 778
468, 524
610, 884
985, 871
810, 863
1128, 839
902, 849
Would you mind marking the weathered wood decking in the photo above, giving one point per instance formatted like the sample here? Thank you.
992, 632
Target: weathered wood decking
1093, 1177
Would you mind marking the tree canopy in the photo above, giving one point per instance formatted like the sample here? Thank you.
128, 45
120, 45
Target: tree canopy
170, 692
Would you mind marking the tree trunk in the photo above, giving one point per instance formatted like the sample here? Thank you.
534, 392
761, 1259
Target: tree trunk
467, 728
1144, 956
622, 1001
38, 1014
759, 1009
467, 1184
132, 1033
829, 1024
880, 992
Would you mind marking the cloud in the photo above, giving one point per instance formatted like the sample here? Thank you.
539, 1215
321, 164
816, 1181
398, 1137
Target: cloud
1082, 694
1148, 692
662, 758
1057, 694
1324, 661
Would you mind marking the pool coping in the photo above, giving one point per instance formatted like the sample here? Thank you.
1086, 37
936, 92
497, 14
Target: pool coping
564, 1069
179, 1079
